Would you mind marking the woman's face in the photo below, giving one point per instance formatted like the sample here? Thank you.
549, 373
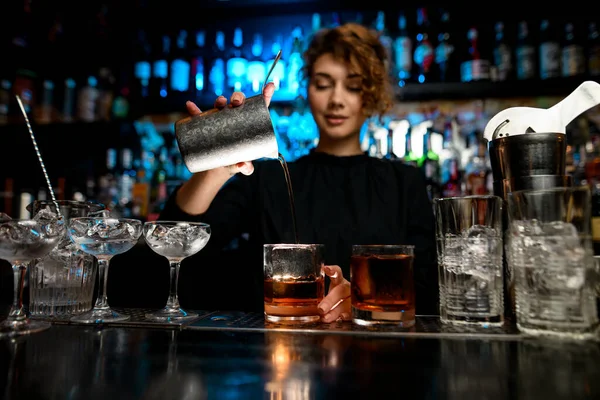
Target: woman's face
335, 99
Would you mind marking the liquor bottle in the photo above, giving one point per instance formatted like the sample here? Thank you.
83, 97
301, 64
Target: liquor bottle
572, 58
5, 100
410, 158
44, 112
142, 67
106, 86
474, 67
197, 66
140, 191
449, 150
295, 62
430, 164
423, 55
158, 185
445, 56
596, 217
503, 58
453, 186
403, 52
237, 64
385, 39
87, 100
592, 175
524, 53
180, 66
476, 171
593, 50
159, 83
256, 66
121, 102
126, 182
217, 75
549, 51
107, 181
68, 109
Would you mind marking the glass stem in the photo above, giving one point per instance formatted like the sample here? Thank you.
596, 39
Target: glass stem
102, 301
16, 312
173, 301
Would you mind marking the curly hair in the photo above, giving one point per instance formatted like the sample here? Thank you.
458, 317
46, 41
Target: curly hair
360, 49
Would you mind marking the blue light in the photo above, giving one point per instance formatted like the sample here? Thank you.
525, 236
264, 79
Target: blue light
180, 75
419, 37
142, 70
421, 78
161, 69
163, 92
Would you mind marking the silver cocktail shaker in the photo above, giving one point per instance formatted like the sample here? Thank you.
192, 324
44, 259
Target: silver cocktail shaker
219, 138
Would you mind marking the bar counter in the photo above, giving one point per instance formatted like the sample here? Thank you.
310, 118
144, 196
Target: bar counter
236, 355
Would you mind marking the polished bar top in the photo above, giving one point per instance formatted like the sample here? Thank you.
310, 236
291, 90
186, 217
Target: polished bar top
226, 355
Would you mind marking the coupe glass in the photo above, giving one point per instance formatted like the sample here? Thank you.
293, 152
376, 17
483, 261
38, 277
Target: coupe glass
175, 240
103, 237
22, 241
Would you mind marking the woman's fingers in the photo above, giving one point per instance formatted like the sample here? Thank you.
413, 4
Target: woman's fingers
246, 167
220, 102
268, 92
336, 305
334, 272
237, 99
192, 108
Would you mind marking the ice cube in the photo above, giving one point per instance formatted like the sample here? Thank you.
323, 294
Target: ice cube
480, 231
99, 214
51, 222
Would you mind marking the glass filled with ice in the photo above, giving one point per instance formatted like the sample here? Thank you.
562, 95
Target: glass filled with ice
176, 241
103, 238
550, 254
294, 282
469, 242
62, 283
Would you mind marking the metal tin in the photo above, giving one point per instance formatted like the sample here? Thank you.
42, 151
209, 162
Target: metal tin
529, 154
219, 138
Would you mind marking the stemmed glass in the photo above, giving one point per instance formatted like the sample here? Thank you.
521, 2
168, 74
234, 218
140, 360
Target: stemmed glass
103, 237
22, 241
175, 240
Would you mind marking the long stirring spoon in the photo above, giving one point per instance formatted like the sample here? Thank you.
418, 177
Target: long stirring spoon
39, 155
277, 57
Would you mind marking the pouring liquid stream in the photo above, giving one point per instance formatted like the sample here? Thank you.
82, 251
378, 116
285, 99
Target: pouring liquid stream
284, 165
288, 182
39, 156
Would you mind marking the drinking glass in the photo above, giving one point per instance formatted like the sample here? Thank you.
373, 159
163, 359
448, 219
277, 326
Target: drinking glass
469, 242
62, 283
22, 241
103, 237
294, 282
175, 240
551, 257
382, 285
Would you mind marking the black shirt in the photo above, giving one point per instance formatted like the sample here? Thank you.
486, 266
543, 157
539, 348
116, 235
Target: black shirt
340, 201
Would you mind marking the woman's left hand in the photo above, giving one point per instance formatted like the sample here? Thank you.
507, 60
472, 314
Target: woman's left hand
336, 305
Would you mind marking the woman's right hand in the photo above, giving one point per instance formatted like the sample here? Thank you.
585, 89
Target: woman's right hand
237, 99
